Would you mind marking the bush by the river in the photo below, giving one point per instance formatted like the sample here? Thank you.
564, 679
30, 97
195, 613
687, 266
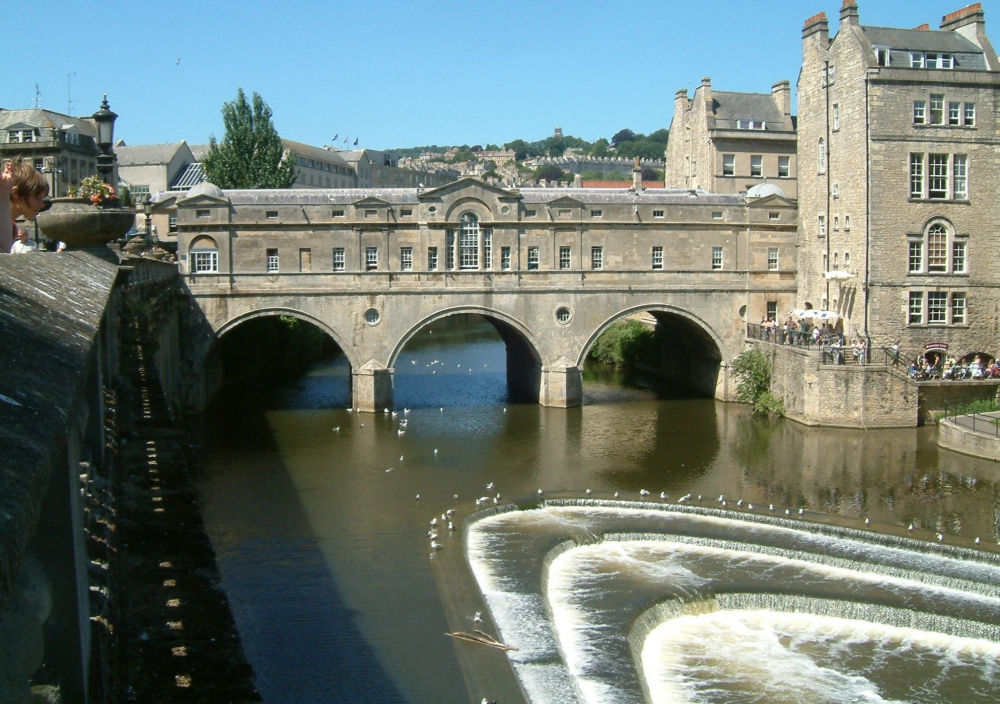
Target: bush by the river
626, 343
753, 384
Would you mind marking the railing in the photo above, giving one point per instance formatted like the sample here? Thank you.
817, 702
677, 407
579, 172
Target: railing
778, 336
954, 410
861, 356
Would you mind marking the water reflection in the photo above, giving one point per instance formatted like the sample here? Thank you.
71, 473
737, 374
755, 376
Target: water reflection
325, 553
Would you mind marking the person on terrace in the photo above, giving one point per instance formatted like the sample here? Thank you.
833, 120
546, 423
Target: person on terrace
23, 191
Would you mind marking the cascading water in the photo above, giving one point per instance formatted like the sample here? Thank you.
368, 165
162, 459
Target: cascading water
613, 602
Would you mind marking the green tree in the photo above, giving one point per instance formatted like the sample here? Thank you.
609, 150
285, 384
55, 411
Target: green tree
601, 147
251, 154
753, 383
550, 172
625, 135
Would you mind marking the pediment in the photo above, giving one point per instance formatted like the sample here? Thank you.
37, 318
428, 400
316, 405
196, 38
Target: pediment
771, 201
203, 199
371, 202
22, 126
465, 185
566, 202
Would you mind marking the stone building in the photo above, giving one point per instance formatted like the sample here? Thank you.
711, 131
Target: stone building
377, 169
728, 142
320, 167
898, 179
62, 147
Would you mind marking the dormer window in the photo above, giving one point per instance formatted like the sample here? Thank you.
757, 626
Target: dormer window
22, 136
932, 60
750, 124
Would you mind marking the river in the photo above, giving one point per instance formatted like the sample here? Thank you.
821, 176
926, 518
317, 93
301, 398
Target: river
320, 516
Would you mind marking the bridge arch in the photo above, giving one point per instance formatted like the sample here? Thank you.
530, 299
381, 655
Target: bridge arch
694, 356
524, 360
234, 322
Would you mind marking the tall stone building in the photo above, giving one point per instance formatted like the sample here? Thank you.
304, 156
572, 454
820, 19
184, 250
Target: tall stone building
726, 142
898, 179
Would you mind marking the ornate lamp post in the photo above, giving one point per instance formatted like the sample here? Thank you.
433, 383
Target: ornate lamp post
105, 120
147, 209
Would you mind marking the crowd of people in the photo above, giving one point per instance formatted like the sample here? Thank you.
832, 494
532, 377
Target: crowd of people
951, 369
801, 332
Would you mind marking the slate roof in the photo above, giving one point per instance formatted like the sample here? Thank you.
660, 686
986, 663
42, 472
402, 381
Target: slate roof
920, 40
38, 117
146, 154
328, 155
730, 107
51, 306
198, 150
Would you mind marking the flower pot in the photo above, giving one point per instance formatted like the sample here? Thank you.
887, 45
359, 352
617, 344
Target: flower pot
81, 224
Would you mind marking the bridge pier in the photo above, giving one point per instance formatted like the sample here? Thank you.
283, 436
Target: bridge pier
372, 387
562, 385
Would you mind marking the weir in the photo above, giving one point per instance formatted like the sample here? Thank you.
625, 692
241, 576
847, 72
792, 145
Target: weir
588, 599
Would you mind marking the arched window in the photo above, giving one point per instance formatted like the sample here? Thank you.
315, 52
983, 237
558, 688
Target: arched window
468, 242
821, 157
204, 256
937, 251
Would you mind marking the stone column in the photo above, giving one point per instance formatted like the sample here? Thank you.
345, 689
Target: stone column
372, 387
562, 385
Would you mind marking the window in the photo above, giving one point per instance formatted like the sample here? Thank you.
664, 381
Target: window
449, 250
272, 214
370, 213
945, 61
488, 248
532, 258
657, 257
716, 214
882, 57
835, 190
954, 113
958, 308
940, 249
272, 261
597, 257
958, 257
947, 176
916, 257
339, 213
821, 221
205, 261
371, 258
772, 310
468, 242
658, 213
772, 259
305, 259
406, 258
970, 115
756, 165
339, 262
505, 258
406, 213
937, 109
916, 308
596, 213
847, 223
821, 157
564, 257
694, 167
916, 175
728, 164
784, 167
920, 112
836, 117
774, 215
432, 259
565, 212
847, 260
197, 213
836, 223
750, 124
716, 258
831, 74
916, 59
172, 223
937, 307
529, 213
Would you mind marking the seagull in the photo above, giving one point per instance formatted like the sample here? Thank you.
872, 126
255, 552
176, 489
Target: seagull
436, 545
699, 497
868, 521
588, 492
787, 512
388, 470
616, 494
801, 511
385, 410
178, 62
771, 506
977, 541
451, 526
490, 485
539, 492
451, 511
435, 450
350, 410
400, 458
909, 527
337, 429
434, 521
663, 495
750, 507
478, 618
504, 409
432, 534
721, 497
441, 409
740, 502
418, 497
940, 537
400, 432
643, 492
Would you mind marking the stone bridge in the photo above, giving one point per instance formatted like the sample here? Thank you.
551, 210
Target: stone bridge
549, 268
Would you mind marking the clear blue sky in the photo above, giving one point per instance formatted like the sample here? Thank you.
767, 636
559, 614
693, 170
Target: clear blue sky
415, 72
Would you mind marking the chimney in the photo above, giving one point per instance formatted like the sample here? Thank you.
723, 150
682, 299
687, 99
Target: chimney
817, 25
970, 22
637, 176
782, 94
848, 13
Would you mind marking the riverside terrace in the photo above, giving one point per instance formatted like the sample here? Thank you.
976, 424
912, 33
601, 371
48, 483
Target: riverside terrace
550, 268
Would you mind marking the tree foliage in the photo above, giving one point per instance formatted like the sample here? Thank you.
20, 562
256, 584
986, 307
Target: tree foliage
753, 383
624, 343
549, 172
251, 154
